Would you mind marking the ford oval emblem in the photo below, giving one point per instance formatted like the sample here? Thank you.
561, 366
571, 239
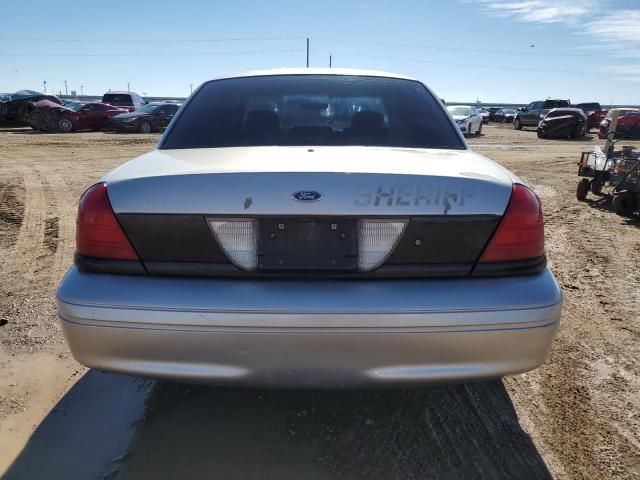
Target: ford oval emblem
307, 196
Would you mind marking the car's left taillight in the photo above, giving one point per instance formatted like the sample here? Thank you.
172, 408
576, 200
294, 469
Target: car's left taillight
98, 233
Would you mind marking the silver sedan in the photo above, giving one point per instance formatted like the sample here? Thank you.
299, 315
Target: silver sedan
318, 228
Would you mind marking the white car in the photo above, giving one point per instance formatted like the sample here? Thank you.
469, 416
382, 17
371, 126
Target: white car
314, 228
468, 118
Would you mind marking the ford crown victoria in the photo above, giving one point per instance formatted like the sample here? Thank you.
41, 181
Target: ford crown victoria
311, 228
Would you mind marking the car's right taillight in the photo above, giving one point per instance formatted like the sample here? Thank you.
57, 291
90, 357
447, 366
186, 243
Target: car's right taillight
98, 233
520, 234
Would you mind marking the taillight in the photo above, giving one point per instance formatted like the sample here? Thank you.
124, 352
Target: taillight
520, 234
98, 233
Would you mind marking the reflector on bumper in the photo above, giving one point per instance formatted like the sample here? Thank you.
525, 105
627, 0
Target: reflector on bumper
377, 239
238, 238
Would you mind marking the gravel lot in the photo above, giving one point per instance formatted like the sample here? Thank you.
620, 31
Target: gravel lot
576, 417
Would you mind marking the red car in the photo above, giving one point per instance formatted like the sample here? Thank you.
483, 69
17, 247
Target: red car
594, 112
628, 123
72, 117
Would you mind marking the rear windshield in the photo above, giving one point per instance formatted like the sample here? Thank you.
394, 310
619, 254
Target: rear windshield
117, 99
624, 113
459, 111
148, 108
323, 110
591, 107
548, 104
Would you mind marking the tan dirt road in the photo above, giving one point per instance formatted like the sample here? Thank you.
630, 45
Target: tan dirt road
578, 415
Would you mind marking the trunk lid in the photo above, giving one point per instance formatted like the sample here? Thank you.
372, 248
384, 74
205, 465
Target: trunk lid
353, 181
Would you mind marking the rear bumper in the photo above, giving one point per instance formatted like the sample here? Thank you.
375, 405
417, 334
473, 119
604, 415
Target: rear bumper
310, 333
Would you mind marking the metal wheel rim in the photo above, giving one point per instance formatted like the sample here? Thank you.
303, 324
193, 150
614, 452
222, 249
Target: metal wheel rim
65, 125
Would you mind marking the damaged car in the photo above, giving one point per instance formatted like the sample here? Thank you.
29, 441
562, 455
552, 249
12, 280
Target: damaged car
628, 123
47, 116
563, 123
14, 107
531, 115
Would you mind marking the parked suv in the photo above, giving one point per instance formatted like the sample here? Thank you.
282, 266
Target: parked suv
129, 100
531, 115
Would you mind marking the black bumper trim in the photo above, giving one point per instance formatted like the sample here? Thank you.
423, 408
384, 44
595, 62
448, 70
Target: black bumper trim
200, 269
503, 269
103, 265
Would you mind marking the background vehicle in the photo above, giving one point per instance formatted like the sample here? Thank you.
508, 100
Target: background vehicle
311, 175
129, 100
531, 115
492, 112
594, 112
505, 115
563, 123
628, 123
467, 118
73, 117
485, 114
15, 106
151, 117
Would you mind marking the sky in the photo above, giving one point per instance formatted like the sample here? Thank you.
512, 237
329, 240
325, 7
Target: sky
512, 51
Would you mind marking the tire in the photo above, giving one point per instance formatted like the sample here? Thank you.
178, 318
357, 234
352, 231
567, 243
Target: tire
596, 187
144, 127
582, 190
620, 205
517, 124
576, 133
65, 125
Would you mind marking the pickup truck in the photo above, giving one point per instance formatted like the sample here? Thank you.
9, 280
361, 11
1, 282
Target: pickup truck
594, 112
531, 115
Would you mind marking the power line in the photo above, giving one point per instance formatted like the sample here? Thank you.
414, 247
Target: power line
181, 54
457, 49
148, 40
475, 65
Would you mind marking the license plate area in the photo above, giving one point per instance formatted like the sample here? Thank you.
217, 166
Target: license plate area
307, 244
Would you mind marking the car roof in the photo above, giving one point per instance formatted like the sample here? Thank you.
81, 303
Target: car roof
316, 71
120, 93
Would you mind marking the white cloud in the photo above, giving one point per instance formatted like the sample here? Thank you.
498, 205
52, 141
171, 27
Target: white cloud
616, 33
540, 11
620, 27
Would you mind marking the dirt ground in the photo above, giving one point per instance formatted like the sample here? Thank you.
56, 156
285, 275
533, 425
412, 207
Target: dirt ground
576, 417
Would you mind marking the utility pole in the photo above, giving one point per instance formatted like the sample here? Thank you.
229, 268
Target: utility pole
191, 86
330, 60
66, 90
44, 82
307, 53
81, 91
128, 86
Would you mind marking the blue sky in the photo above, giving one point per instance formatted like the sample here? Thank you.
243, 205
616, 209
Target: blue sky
586, 50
